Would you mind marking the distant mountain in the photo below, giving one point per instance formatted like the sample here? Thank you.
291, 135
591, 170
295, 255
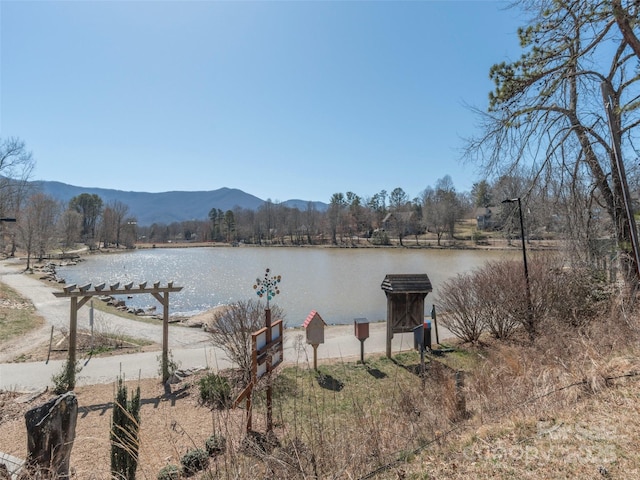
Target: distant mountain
168, 207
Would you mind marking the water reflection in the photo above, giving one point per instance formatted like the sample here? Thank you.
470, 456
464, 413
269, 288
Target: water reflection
341, 284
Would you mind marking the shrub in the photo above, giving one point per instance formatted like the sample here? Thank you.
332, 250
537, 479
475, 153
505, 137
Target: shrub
501, 297
459, 299
215, 390
65, 380
380, 238
194, 461
170, 472
172, 364
494, 298
215, 444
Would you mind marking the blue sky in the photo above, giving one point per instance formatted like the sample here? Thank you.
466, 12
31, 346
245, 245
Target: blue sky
281, 99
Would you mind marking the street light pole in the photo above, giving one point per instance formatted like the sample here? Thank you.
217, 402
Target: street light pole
524, 260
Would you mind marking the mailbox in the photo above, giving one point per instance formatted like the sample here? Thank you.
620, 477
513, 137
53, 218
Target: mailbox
422, 336
361, 328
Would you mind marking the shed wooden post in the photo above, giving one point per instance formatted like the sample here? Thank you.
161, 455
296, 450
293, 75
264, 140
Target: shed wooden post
315, 356
165, 337
389, 326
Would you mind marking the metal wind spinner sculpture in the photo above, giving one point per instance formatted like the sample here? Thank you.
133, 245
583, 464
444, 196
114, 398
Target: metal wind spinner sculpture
268, 286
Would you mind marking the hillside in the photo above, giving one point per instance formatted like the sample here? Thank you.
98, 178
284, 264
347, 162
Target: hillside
167, 207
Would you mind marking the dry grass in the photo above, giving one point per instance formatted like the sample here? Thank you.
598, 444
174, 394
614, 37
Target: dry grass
526, 414
17, 315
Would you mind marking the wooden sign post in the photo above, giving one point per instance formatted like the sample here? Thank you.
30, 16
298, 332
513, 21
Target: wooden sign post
267, 352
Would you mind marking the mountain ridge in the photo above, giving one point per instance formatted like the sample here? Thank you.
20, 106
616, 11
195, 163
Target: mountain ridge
168, 207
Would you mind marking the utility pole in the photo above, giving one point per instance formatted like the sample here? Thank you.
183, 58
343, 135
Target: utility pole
614, 129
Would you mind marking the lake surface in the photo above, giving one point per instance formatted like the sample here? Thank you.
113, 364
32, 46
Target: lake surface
340, 284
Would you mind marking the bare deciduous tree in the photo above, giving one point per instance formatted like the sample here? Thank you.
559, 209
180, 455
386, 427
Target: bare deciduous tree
440, 208
35, 226
232, 328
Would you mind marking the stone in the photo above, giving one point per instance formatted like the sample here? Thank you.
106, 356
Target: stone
4, 472
9, 466
51, 431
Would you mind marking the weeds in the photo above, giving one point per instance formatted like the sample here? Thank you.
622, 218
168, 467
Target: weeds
215, 390
170, 472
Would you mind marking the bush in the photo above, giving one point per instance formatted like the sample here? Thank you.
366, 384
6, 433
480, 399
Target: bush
215, 444
194, 461
170, 472
494, 298
172, 364
460, 301
501, 297
65, 380
380, 238
215, 390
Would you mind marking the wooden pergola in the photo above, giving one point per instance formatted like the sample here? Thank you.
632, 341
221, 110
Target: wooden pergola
405, 302
81, 295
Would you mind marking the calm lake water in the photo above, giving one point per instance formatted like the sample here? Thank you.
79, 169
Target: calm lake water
340, 284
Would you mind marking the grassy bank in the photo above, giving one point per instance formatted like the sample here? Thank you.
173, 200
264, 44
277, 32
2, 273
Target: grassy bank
17, 315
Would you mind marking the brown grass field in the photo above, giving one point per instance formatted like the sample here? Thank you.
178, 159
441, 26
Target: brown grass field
521, 417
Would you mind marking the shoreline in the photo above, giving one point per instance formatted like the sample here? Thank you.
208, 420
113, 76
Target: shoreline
493, 244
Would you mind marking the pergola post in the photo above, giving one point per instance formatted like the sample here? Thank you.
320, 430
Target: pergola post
164, 300
73, 335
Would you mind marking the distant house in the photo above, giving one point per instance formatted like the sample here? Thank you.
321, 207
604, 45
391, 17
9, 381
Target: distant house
488, 218
404, 218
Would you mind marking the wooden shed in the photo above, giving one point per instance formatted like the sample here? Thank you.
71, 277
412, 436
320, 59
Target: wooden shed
405, 302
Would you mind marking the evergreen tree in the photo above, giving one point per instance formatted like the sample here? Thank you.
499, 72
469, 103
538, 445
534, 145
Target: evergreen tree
125, 424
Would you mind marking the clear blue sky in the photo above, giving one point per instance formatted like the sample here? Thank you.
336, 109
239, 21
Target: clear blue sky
286, 99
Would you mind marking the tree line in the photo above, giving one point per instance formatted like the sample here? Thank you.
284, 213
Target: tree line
45, 224
384, 218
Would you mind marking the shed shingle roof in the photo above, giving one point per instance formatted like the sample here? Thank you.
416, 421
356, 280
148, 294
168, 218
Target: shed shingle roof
407, 283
